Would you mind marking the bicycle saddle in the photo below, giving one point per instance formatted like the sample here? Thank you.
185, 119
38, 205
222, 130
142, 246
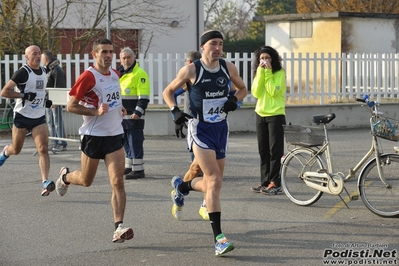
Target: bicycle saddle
323, 119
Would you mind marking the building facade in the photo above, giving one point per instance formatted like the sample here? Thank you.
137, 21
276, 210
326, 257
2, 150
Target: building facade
155, 26
335, 32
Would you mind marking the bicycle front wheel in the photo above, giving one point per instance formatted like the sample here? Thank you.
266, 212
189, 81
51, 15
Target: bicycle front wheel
296, 163
10, 121
381, 195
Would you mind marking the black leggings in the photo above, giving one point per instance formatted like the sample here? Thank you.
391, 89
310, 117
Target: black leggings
270, 134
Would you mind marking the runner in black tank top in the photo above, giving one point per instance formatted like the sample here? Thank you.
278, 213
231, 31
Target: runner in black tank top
208, 130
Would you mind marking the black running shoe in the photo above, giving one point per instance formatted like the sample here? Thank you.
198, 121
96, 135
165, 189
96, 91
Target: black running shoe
258, 188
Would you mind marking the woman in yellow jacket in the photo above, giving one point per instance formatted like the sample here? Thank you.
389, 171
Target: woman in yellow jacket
268, 87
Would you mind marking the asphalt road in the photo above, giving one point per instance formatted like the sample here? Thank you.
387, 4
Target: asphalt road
267, 230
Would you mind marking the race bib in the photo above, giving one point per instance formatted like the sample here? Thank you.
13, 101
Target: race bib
213, 110
36, 103
112, 96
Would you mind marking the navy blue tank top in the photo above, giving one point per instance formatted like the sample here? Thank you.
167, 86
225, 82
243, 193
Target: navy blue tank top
209, 92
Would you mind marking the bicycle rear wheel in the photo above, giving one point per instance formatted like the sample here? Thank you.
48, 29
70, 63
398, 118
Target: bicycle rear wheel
379, 197
10, 121
296, 163
10, 118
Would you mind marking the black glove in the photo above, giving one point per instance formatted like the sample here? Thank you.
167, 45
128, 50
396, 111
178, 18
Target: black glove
30, 96
49, 103
179, 130
230, 104
179, 117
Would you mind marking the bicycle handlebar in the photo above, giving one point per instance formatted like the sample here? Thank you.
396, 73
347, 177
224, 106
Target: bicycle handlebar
372, 104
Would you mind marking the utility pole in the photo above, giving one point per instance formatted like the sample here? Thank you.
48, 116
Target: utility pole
109, 20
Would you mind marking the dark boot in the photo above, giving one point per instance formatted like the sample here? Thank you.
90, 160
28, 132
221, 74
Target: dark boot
135, 175
127, 171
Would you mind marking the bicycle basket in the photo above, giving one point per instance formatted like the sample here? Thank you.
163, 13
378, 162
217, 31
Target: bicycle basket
307, 136
386, 128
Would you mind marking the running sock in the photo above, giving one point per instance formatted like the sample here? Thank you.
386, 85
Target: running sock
185, 187
203, 203
214, 218
64, 180
117, 224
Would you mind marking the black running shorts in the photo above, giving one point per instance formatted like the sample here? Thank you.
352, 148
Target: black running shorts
97, 147
21, 121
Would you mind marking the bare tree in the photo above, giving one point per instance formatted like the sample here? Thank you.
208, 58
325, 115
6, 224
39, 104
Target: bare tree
151, 15
55, 16
209, 9
365, 6
25, 22
231, 18
19, 26
8, 13
269, 7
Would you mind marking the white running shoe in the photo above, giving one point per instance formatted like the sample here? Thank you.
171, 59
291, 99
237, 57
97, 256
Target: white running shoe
122, 233
60, 186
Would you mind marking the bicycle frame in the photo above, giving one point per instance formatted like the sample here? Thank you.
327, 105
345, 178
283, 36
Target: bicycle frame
307, 171
325, 151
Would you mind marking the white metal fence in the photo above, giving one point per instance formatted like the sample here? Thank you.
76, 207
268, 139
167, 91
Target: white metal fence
311, 78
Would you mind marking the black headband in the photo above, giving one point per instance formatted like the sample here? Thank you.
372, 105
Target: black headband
266, 50
210, 35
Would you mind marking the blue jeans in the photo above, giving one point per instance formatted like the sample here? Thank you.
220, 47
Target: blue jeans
56, 125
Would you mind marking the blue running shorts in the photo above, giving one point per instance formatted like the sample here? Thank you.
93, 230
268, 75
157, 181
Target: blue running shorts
205, 135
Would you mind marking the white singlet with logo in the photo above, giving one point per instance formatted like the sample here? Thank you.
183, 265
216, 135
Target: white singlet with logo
106, 90
37, 84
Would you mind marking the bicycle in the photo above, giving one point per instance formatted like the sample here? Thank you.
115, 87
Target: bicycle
8, 115
304, 177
